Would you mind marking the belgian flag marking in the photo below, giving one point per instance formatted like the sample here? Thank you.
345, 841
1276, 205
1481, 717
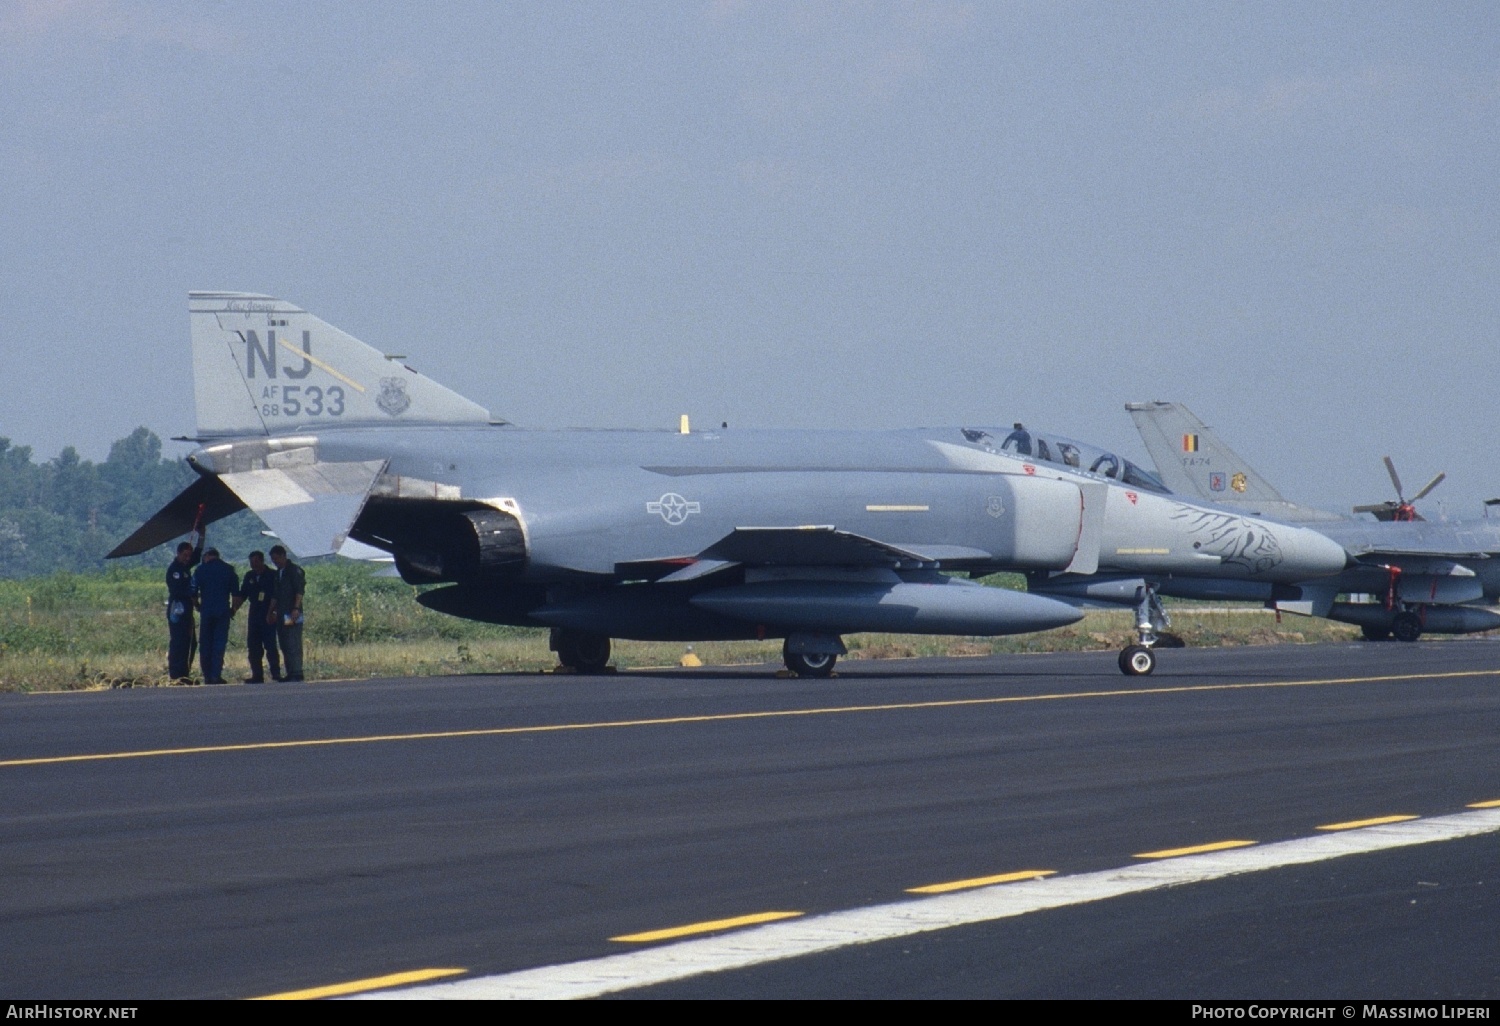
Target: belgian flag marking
1189, 443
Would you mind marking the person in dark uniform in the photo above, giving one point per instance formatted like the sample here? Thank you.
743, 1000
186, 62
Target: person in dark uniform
180, 625
256, 588
286, 611
215, 583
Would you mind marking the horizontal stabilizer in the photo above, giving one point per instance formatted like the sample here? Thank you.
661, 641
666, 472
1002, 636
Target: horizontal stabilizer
177, 517
310, 506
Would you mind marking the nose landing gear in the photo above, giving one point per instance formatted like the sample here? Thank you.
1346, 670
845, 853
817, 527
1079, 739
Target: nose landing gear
1151, 619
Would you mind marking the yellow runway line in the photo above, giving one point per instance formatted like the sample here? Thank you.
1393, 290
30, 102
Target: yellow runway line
981, 881
954, 703
361, 986
1355, 824
712, 926
1197, 849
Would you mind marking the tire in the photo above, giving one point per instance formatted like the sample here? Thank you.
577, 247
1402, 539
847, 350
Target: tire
1406, 627
1137, 661
810, 664
586, 653
1373, 633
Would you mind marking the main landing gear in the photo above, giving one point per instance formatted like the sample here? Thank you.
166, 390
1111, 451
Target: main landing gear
1407, 626
1404, 626
812, 655
1408, 623
580, 651
1151, 619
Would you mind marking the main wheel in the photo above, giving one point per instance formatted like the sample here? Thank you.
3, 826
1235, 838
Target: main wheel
586, 653
1407, 627
1137, 661
810, 664
1374, 633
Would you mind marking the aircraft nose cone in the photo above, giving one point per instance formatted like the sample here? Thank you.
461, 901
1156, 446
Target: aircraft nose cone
1310, 554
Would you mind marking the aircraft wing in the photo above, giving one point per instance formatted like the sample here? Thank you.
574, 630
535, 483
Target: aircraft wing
1426, 539
1400, 552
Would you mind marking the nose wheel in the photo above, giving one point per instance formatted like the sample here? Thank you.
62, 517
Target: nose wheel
1151, 619
1137, 661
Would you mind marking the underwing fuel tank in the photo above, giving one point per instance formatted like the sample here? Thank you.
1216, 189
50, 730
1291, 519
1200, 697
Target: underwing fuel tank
1435, 619
943, 606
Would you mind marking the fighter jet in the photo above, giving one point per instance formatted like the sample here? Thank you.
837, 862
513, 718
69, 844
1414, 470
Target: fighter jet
1415, 576
690, 535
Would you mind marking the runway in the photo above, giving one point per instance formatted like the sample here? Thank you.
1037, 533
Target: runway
331, 838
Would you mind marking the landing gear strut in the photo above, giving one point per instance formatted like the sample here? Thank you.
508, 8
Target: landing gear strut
580, 651
1150, 620
1407, 624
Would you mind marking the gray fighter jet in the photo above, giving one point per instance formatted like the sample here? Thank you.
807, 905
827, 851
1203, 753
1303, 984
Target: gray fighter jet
1414, 575
687, 536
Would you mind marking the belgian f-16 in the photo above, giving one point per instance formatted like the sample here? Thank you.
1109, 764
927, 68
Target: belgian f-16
688, 536
1414, 575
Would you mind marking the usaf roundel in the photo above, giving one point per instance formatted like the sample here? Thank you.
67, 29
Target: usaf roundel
673, 508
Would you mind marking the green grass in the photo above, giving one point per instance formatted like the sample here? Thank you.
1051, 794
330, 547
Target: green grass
77, 631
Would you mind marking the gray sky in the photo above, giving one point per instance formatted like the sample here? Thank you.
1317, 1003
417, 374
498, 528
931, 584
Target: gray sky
809, 214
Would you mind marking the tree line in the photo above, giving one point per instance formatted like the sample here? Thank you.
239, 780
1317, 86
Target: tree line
66, 513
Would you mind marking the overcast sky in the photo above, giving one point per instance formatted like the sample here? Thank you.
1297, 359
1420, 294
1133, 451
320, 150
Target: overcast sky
816, 214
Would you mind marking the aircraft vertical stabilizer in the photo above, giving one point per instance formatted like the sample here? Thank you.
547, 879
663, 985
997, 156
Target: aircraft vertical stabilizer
263, 366
1192, 461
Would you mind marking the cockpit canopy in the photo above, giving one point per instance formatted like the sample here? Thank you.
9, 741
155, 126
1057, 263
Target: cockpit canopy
1065, 452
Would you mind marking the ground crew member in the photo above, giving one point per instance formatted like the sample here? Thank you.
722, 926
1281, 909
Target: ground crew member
180, 626
215, 583
286, 611
256, 588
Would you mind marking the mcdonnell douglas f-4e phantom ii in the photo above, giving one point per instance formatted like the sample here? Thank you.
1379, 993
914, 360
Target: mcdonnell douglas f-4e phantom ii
1424, 575
688, 536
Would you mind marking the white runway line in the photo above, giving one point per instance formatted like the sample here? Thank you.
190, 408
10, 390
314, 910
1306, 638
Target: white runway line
834, 930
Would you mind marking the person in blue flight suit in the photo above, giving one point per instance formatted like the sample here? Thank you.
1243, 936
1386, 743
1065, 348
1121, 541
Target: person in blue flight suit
180, 625
215, 583
257, 587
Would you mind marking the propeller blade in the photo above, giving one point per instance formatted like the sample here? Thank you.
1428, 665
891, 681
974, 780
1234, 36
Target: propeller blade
1376, 507
1395, 479
1430, 486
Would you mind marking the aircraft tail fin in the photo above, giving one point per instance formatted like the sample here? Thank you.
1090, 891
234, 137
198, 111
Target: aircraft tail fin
263, 366
1192, 461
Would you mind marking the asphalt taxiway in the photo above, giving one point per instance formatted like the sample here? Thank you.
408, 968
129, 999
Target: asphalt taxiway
339, 837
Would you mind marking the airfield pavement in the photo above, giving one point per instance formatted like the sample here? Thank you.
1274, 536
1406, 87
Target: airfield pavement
341, 837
